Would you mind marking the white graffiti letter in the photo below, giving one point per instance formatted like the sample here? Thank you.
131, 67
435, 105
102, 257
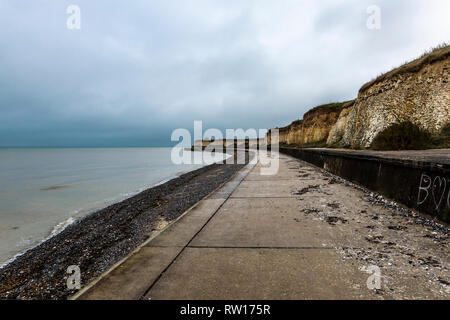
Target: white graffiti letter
438, 188
427, 180
448, 199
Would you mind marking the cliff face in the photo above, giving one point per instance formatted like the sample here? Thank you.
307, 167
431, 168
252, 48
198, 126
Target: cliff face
421, 96
418, 92
315, 126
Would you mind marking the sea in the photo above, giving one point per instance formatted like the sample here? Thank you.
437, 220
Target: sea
43, 190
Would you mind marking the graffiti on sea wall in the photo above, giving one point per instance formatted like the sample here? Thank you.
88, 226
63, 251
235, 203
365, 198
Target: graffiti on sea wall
435, 189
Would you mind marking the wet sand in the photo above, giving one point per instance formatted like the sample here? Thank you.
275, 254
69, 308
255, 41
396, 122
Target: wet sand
102, 238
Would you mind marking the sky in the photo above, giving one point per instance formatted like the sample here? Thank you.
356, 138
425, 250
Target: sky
136, 70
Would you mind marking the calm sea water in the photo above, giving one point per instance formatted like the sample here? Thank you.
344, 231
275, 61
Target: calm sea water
44, 190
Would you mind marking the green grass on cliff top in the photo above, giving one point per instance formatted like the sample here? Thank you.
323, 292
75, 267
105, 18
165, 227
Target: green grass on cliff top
438, 53
333, 106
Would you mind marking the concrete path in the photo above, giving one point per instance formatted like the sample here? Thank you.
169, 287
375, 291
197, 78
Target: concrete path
299, 234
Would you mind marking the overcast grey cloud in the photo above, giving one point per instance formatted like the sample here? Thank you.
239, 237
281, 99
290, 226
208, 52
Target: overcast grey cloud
139, 69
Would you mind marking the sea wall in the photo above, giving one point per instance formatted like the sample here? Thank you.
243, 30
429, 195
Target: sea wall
421, 185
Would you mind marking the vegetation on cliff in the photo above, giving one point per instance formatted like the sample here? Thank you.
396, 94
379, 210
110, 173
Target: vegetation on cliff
405, 108
314, 128
409, 136
438, 53
443, 139
402, 136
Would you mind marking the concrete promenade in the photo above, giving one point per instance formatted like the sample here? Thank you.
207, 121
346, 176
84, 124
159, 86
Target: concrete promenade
299, 234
